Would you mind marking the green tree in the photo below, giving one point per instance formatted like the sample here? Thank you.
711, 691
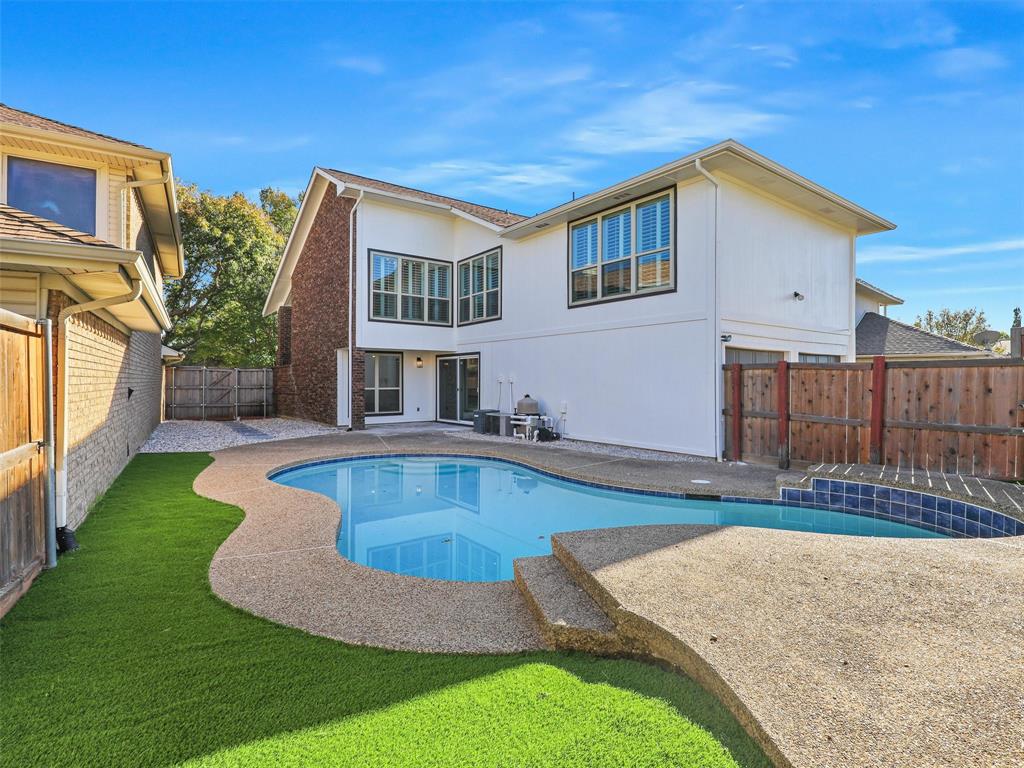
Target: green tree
232, 248
960, 324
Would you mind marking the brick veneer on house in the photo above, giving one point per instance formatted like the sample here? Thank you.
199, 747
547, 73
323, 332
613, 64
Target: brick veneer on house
105, 427
315, 326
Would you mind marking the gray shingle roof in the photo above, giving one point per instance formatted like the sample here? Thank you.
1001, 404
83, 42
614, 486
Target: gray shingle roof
878, 335
20, 224
493, 215
12, 116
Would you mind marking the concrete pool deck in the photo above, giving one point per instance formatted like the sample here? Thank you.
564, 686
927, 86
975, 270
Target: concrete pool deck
832, 650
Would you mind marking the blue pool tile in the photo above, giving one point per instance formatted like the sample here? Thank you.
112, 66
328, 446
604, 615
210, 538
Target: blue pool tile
914, 513
973, 513
985, 517
898, 511
959, 509
836, 486
972, 528
898, 496
867, 490
928, 516
883, 494
821, 497
959, 524
943, 505
944, 520
806, 497
913, 499
835, 499
987, 533
928, 501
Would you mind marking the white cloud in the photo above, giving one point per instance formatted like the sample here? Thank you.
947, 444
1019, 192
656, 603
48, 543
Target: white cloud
369, 65
959, 63
468, 178
895, 253
670, 117
779, 54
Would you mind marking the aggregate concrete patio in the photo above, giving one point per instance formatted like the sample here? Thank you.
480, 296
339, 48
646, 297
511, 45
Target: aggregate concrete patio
832, 650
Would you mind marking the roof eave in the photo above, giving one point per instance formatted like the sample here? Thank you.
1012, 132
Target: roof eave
874, 222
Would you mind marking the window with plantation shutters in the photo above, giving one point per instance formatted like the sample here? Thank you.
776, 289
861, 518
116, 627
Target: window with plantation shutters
622, 253
480, 287
409, 290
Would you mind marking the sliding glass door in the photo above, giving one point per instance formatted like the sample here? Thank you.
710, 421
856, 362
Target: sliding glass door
458, 387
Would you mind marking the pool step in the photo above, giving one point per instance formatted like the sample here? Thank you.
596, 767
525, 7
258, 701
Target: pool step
569, 619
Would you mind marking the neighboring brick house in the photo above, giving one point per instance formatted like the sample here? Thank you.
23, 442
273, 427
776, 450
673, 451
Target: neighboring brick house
88, 233
616, 311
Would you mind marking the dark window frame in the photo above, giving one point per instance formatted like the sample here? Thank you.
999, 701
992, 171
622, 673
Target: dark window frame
597, 216
369, 288
501, 285
376, 387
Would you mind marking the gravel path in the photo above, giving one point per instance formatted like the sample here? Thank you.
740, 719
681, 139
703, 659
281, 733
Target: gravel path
178, 436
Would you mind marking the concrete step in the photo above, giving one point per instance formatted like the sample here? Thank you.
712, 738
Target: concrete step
569, 619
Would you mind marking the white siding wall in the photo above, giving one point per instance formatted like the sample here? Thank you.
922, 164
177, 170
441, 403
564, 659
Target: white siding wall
866, 304
768, 250
400, 230
639, 371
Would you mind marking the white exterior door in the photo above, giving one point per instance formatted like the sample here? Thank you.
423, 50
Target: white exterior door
344, 390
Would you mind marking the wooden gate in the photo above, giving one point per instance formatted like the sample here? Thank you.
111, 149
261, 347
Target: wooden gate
956, 416
23, 470
201, 393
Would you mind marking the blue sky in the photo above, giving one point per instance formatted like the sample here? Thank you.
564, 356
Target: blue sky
913, 110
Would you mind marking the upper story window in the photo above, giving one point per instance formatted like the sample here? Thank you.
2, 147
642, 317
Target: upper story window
480, 287
409, 289
623, 253
62, 193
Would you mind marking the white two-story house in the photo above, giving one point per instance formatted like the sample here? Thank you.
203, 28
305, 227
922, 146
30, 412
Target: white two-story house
616, 311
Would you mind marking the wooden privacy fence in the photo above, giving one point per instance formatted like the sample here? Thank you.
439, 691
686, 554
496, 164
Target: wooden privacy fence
23, 468
956, 416
198, 392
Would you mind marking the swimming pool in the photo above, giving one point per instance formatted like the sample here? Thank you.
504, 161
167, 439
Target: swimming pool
467, 519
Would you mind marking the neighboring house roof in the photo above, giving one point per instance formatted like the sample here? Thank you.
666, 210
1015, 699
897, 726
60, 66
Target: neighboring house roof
493, 215
879, 335
883, 297
170, 354
9, 114
22, 225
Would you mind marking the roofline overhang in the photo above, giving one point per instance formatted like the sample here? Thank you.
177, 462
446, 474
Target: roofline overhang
415, 202
564, 212
282, 277
91, 259
887, 299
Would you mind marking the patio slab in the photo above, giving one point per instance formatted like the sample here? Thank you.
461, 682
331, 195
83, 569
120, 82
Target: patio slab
831, 650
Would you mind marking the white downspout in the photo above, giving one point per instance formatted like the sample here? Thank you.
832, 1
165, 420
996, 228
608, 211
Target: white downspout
718, 318
351, 290
62, 411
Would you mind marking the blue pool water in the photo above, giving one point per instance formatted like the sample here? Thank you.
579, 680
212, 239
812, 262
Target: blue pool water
467, 519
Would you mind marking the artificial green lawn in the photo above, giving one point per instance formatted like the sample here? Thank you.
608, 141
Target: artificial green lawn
123, 656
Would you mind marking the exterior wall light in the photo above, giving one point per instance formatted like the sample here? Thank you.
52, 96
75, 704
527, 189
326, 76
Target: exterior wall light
419, 362
798, 296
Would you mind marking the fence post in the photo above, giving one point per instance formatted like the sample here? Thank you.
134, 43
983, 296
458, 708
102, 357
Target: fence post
877, 408
782, 389
234, 378
737, 412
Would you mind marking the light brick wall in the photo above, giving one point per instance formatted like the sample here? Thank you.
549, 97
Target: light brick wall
105, 427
